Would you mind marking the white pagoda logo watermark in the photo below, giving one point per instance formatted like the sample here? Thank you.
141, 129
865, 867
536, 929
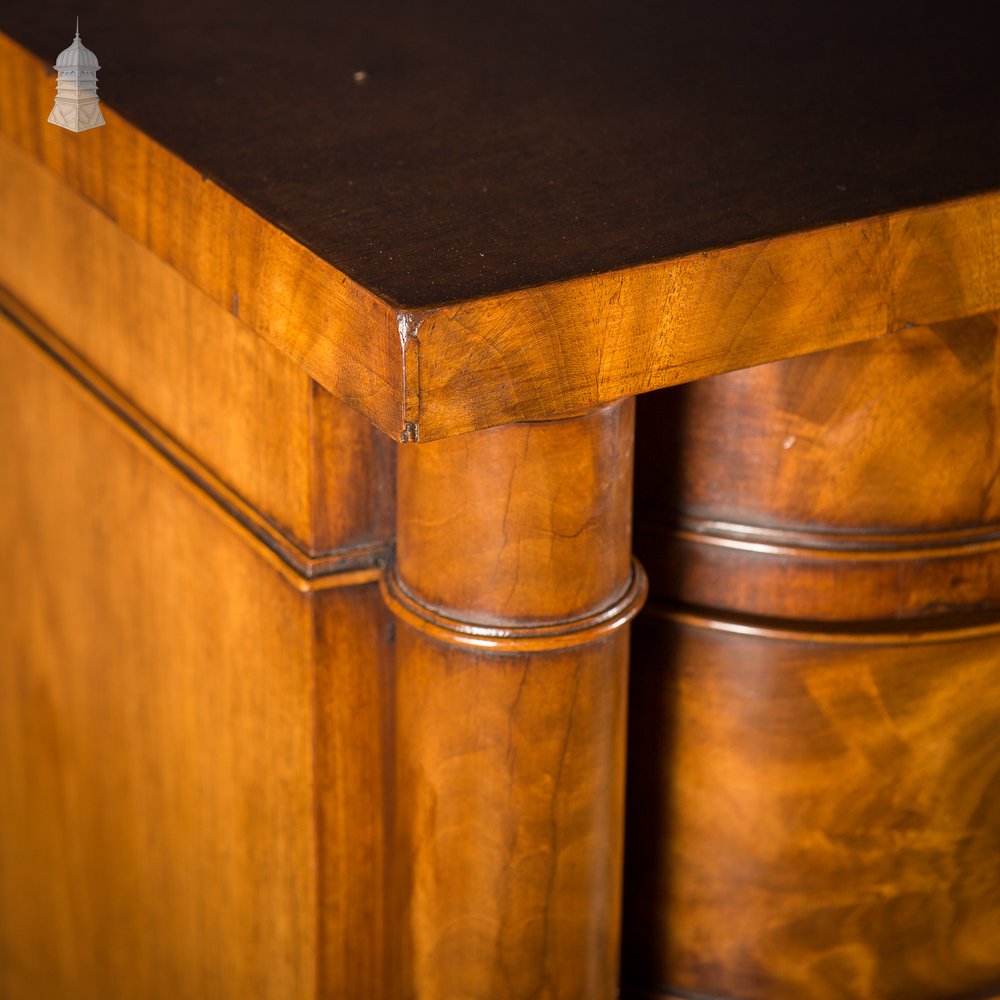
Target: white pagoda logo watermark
77, 106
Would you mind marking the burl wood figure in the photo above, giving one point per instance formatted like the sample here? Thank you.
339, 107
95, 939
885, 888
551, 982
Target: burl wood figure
337, 371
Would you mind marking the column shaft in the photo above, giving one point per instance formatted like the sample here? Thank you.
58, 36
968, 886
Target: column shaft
513, 580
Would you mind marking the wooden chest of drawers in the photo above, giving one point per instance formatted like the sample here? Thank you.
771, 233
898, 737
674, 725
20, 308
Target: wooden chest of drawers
353, 378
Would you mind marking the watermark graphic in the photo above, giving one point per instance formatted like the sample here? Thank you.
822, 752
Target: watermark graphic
77, 106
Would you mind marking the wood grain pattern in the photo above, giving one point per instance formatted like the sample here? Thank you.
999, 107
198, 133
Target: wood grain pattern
811, 816
510, 796
526, 525
359, 943
508, 638
359, 561
511, 755
146, 848
192, 751
569, 341
312, 313
814, 756
559, 347
192, 366
219, 776
855, 484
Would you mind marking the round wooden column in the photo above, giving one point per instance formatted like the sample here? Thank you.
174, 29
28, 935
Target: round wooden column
513, 583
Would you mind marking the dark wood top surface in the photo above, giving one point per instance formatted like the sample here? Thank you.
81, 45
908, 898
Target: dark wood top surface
493, 148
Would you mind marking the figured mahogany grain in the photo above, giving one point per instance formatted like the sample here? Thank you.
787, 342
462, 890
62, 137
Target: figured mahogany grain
248, 412
524, 525
509, 801
812, 816
605, 257
193, 743
814, 738
858, 483
510, 792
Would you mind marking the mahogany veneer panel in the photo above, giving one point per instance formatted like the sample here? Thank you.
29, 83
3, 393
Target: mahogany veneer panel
245, 410
812, 815
814, 754
192, 751
853, 484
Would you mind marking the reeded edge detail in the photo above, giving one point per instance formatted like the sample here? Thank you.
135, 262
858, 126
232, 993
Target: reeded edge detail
908, 632
856, 545
346, 567
515, 639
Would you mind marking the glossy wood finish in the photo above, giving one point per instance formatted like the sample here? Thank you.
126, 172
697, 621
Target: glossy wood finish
814, 754
810, 815
191, 366
530, 524
852, 484
511, 756
230, 765
192, 751
315, 316
359, 950
510, 801
571, 329
559, 347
